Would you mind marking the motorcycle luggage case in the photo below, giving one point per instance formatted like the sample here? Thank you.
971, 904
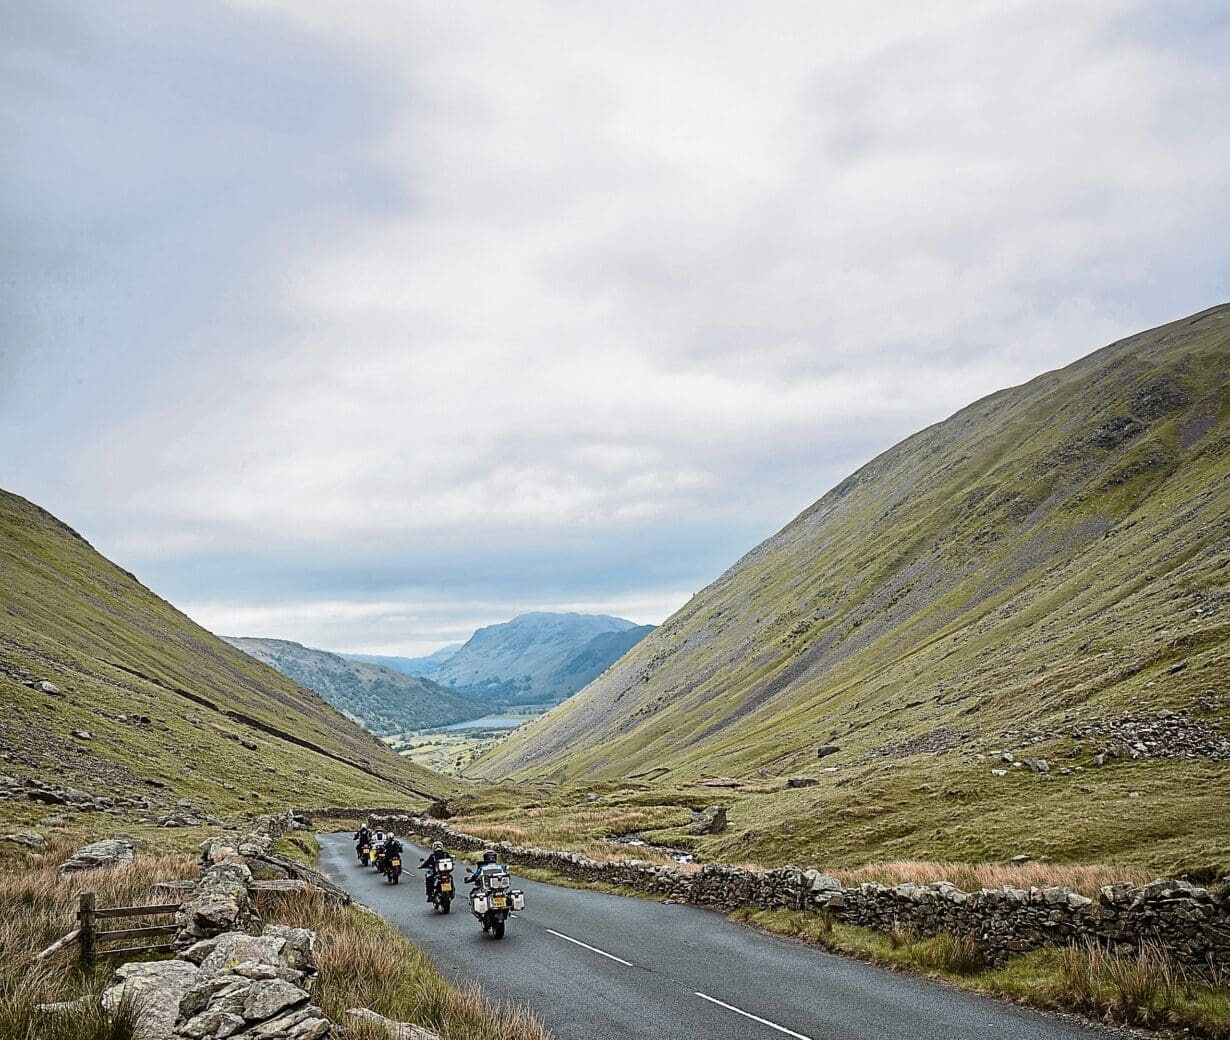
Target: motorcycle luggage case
518, 899
478, 903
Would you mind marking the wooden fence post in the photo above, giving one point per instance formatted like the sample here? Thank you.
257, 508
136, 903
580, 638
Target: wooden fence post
85, 915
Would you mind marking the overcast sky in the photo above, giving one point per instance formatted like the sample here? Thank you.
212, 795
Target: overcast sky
364, 324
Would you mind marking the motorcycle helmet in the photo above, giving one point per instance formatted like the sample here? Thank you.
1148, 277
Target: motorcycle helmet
489, 856
437, 846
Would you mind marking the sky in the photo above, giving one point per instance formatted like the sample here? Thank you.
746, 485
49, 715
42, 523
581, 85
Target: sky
367, 324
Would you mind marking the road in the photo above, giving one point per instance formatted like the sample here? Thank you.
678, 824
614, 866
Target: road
602, 967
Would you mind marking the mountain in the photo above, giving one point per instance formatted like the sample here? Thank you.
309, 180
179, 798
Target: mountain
107, 688
538, 657
379, 699
1046, 569
409, 665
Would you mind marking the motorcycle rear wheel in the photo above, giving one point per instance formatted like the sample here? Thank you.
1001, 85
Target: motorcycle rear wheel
444, 903
497, 930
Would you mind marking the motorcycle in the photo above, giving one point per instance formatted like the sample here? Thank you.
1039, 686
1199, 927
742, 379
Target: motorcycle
372, 855
441, 892
392, 869
362, 852
495, 901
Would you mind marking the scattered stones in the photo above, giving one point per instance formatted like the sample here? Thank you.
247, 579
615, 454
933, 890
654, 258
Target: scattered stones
110, 852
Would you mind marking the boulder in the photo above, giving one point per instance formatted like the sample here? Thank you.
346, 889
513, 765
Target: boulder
827, 749
27, 838
220, 903
802, 781
153, 990
110, 852
44, 686
711, 820
393, 1030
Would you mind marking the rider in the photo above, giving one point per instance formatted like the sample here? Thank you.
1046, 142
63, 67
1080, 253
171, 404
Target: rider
392, 848
362, 837
437, 853
489, 865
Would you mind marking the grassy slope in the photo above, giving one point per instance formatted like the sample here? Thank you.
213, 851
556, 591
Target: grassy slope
113, 647
384, 701
1045, 554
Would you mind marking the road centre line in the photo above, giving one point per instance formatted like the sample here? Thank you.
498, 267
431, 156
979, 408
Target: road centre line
754, 1018
569, 938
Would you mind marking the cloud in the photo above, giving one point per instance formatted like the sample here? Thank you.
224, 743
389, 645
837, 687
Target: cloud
465, 301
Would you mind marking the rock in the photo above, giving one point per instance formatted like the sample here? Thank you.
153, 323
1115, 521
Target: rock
83, 734
711, 820
271, 997
1037, 765
46, 797
823, 882
220, 903
1020, 859
1006, 756
827, 749
153, 989
802, 781
394, 1030
110, 852
278, 947
999, 772
43, 686
180, 819
27, 838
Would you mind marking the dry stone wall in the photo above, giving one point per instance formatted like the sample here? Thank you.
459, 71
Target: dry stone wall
1189, 922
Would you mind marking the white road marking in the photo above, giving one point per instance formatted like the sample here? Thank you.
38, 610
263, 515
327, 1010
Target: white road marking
754, 1018
569, 938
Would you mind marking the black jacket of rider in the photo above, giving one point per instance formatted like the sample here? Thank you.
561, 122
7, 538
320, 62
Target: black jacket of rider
362, 836
432, 857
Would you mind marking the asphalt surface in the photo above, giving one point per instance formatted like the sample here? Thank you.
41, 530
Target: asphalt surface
602, 967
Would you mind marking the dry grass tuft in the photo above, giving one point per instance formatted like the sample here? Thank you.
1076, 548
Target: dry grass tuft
969, 877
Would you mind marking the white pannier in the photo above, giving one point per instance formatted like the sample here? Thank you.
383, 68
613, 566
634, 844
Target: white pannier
444, 865
518, 899
478, 903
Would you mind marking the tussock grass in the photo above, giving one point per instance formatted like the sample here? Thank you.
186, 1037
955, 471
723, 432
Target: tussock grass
365, 962
1087, 879
579, 830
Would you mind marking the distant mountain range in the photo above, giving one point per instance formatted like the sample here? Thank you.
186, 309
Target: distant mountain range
383, 700
410, 665
539, 657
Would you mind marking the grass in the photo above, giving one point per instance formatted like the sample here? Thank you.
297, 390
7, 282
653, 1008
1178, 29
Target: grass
363, 961
1145, 989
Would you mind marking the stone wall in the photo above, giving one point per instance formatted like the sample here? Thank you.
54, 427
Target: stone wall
1189, 922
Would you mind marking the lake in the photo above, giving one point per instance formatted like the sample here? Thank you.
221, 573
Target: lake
492, 722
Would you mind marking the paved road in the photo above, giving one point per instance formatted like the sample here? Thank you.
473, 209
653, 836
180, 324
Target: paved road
601, 967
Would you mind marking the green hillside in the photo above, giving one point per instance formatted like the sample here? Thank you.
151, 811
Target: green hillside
1043, 572
380, 699
152, 706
